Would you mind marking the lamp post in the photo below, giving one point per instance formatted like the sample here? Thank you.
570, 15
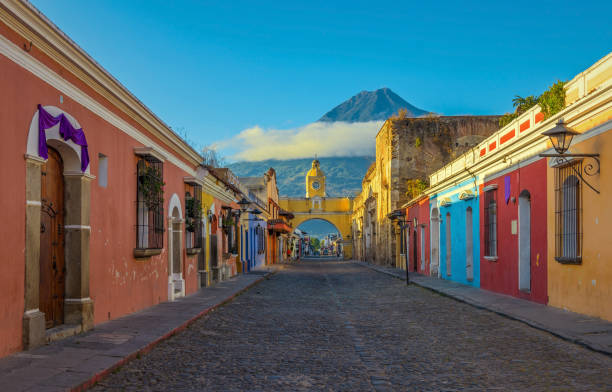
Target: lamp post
561, 137
400, 218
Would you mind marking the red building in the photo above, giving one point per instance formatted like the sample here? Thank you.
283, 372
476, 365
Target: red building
416, 235
513, 231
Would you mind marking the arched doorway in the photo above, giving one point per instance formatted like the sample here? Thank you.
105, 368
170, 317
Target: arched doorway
434, 264
176, 282
324, 238
52, 263
57, 235
469, 245
414, 250
448, 244
524, 239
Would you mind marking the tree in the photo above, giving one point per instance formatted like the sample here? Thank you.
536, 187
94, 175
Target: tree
523, 104
211, 157
316, 243
415, 187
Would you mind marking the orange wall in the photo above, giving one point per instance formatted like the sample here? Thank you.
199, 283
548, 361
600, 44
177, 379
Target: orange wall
587, 287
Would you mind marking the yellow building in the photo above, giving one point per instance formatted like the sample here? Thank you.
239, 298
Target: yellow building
335, 210
580, 218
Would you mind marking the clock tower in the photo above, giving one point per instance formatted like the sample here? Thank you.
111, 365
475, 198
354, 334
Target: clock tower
315, 181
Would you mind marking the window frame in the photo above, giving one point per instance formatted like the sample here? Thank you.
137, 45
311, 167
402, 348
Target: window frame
193, 239
491, 224
149, 236
568, 195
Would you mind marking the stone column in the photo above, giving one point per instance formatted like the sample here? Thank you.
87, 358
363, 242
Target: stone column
33, 318
78, 306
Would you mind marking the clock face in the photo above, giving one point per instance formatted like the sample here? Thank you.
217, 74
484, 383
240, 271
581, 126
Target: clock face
316, 185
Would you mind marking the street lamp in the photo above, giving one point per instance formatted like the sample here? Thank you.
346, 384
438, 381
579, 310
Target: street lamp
244, 204
400, 218
561, 138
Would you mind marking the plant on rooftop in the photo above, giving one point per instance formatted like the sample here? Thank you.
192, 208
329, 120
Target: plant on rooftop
552, 101
415, 187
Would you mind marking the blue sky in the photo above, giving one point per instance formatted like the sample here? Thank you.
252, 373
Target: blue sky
214, 70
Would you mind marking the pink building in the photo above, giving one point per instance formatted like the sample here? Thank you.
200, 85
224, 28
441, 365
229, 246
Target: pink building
92, 237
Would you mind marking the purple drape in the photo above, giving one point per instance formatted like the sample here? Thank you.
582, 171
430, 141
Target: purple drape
66, 130
507, 188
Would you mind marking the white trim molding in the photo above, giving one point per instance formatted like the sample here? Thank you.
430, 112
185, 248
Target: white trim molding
29, 63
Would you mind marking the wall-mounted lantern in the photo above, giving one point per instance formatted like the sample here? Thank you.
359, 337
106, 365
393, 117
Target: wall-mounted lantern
561, 138
244, 204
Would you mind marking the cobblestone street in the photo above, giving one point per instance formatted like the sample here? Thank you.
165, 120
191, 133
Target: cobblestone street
341, 327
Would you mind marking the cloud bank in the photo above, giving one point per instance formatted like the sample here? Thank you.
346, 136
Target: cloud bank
326, 139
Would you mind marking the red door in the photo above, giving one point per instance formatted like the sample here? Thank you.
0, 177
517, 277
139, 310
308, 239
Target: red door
52, 267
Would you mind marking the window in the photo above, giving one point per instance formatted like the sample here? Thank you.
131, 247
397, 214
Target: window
490, 224
150, 203
568, 214
193, 215
230, 229
102, 170
261, 240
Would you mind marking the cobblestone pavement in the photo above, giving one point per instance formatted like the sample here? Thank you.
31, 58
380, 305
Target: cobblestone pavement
338, 326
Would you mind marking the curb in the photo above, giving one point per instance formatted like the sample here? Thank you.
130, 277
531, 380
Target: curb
531, 323
102, 374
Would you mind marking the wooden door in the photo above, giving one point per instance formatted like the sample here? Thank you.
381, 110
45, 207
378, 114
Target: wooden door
52, 265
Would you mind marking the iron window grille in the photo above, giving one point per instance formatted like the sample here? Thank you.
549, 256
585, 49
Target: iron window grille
149, 203
233, 235
490, 223
193, 215
260, 239
568, 213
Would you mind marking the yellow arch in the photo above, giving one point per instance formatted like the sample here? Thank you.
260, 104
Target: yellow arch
335, 210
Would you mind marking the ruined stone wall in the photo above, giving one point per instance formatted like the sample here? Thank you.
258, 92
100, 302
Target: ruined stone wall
421, 146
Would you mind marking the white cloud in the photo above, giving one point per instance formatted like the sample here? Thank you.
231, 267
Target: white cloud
326, 139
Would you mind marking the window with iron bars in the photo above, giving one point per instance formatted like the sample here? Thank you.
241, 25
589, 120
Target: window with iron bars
149, 203
490, 223
260, 239
568, 213
193, 215
233, 235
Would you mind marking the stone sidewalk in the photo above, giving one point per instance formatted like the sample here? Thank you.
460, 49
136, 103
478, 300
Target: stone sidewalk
76, 363
591, 332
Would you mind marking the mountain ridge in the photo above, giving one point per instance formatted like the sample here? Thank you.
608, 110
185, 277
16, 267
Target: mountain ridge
343, 174
371, 106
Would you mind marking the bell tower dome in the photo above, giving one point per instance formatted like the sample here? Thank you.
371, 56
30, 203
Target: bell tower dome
315, 180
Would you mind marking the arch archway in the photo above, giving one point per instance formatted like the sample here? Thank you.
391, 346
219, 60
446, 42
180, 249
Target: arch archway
75, 229
327, 233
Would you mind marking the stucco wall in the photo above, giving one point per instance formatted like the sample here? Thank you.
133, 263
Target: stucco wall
420, 211
119, 283
586, 288
457, 209
502, 275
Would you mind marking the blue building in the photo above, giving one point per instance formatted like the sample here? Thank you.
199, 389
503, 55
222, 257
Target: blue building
455, 241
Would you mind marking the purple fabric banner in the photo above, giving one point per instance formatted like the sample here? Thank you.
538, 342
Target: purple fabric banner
507, 188
66, 130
